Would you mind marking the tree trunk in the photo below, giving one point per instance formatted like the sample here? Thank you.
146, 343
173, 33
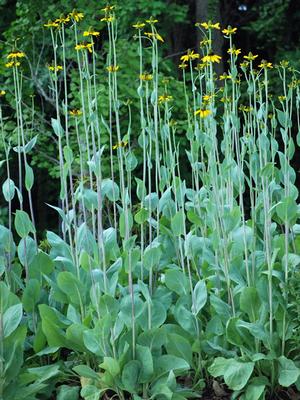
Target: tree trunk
202, 15
218, 41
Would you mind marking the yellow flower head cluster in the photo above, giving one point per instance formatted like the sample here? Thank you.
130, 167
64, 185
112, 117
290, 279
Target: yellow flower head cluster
172, 123
210, 25
84, 46
151, 21
2, 93
91, 33
244, 64
224, 77
12, 64
139, 25
203, 112
190, 55
265, 64
250, 56
245, 108
154, 35
75, 112
201, 66
226, 100
120, 145
76, 16
294, 83
234, 51
63, 20
165, 98
284, 63
58, 21
211, 58
108, 9
281, 98
182, 65
205, 42
207, 98
146, 77
51, 24
54, 68
15, 54
113, 68
108, 18
229, 31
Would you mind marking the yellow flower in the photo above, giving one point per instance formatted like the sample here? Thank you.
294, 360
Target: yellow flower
146, 77
91, 33
84, 46
281, 98
172, 123
229, 31
201, 66
234, 51
203, 113
77, 16
75, 112
113, 68
190, 55
15, 54
51, 24
205, 42
120, 145
109, 18
2, 93
11, 64
182, 65
294, 83
284, 63
244, 64
151, 21
165, 98
53, 68
154, 35
139, 25
224, 77
62, 20
226, 99
209, 25
211, 58
250, 56
265, 64
79, 47
245, 108
108, 9
158, 37
207, 97
89, 47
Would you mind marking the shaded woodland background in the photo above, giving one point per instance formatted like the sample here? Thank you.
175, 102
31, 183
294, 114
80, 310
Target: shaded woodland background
269, 28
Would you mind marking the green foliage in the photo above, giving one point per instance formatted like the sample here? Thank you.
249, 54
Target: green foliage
157, 277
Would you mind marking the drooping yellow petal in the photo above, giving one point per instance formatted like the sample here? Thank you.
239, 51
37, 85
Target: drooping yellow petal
203, 113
